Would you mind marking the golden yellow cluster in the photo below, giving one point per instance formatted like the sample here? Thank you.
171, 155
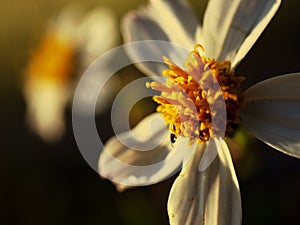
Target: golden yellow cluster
187, 96
53, 59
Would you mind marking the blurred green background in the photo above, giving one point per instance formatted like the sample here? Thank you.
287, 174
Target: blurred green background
52, 184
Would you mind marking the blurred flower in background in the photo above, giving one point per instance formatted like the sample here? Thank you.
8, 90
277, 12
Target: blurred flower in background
72, 41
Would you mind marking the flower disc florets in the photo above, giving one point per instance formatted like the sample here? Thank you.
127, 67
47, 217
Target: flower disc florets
187, 95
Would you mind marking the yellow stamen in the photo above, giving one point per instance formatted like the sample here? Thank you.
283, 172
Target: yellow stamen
187, 95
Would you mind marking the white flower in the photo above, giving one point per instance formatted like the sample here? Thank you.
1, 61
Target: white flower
269, 109
71, 42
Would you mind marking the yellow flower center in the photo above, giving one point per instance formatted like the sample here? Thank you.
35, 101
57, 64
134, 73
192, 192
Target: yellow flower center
53, 59
187, 95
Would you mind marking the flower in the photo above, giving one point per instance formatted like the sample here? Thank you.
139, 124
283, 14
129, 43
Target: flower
52, 70
205, 193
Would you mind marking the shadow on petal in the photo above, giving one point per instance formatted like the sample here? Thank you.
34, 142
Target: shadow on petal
130, 166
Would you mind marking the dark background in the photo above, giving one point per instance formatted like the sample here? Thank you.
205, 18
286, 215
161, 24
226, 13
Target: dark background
44, 183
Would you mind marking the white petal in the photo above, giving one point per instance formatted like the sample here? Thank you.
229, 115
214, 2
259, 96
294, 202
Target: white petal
66, 23
176, 19
167, 20
133, 166
171, 21
46, 100
230, 28
271, 111
267, 11
135, 28
210, 197
97, 33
